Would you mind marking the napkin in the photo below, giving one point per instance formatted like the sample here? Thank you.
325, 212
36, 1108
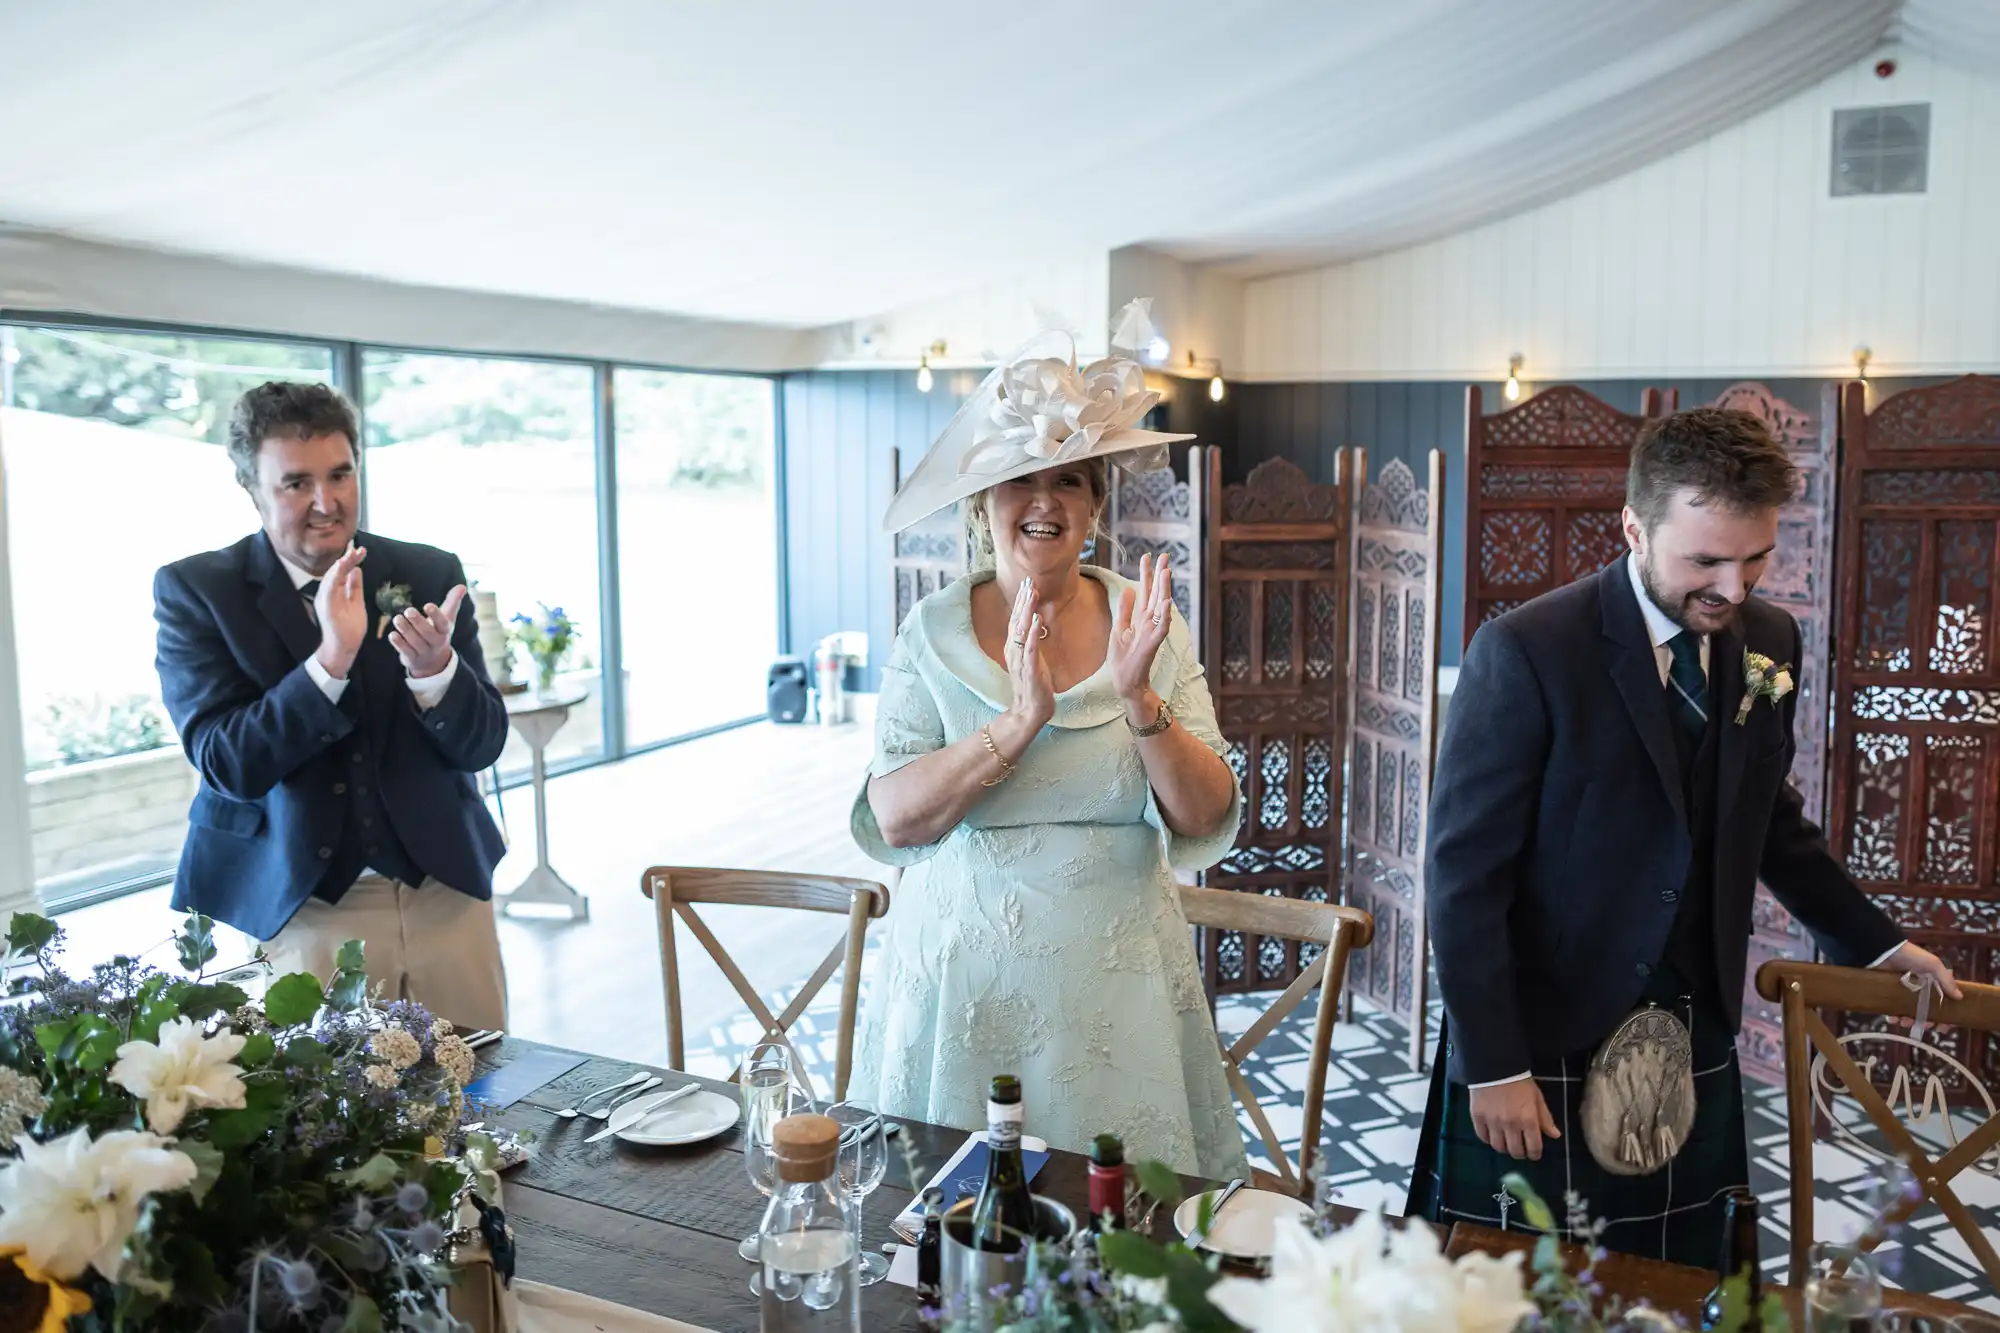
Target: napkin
961, 1177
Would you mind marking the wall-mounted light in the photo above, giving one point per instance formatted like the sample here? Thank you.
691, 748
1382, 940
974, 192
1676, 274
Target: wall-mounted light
1512, 390
1156, 349
1195, 365
1861, 355
924, 377
1215, 389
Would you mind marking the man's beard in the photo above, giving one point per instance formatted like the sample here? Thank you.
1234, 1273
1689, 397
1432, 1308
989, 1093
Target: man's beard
1675, 610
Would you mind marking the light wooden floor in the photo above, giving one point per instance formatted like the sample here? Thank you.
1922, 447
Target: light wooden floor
761, 797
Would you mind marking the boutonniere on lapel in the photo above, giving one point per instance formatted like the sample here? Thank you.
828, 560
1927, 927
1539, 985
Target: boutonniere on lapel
1762, 679
391, 599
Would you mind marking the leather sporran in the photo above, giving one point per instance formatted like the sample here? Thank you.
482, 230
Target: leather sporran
1638, 1096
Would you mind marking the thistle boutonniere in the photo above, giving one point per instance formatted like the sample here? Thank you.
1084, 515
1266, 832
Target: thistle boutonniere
1762, 679
391, 599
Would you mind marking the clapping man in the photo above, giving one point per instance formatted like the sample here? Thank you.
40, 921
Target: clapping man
329, 688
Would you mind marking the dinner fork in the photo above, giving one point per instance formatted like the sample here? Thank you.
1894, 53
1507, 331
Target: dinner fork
604, 1112
572, 1112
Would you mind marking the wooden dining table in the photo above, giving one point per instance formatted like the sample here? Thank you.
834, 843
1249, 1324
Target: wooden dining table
656, 1229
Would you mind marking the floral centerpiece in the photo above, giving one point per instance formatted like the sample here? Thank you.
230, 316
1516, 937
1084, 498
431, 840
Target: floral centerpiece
546, 639
1369, 1276
175, 1156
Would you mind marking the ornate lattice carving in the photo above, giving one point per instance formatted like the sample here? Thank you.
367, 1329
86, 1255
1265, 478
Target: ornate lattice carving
1393, 500
1561, 417
1277, 560
1964, 413
1278, 491
1514, 548
1364, 636
1518, 481
1914, 762
1941, 487
1154, 513
1396, 581
1153, 497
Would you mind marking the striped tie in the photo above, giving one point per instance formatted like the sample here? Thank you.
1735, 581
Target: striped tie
1687, 688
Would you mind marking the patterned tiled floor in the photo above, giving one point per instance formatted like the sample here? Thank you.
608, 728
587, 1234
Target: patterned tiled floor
1375, 1106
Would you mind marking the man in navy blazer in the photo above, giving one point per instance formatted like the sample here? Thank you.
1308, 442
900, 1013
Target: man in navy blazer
329, 688
1610, 788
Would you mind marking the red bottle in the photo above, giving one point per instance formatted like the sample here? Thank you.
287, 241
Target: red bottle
1107, 1182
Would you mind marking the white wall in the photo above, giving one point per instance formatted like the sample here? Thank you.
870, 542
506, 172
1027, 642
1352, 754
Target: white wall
1197, 308
1725, 258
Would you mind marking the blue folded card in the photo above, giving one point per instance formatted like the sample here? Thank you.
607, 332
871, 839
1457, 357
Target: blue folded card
516, 1079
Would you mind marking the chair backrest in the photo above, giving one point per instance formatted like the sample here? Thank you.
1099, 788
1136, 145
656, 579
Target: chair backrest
1337, 930
1820, 1065
676, 889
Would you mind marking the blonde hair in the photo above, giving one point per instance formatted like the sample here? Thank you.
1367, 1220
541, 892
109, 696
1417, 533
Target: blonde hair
979, 519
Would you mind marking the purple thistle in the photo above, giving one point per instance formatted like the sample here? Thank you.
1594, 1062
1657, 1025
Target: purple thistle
413, 1199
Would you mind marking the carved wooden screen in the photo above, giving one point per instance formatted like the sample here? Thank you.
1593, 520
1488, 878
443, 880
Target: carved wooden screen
1916, 720
925, 557
1277, 643
1545, 485
1397, 547
1156, 513
1800, 579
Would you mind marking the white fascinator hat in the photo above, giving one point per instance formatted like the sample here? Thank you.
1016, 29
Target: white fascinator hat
1038, 411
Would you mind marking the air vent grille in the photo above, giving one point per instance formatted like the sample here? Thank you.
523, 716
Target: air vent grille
1882, 149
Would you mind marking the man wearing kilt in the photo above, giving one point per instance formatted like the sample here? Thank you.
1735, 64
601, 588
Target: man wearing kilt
1611, 785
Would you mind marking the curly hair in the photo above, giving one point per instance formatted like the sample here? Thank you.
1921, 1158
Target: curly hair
1729, 459
281, 409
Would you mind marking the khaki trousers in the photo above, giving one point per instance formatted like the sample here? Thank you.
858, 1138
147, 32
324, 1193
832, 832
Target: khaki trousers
430, 944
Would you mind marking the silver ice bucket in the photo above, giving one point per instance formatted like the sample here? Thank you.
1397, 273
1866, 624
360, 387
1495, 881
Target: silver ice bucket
969, 1275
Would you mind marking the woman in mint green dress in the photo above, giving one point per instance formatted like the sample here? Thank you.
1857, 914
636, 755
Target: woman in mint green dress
1046, 757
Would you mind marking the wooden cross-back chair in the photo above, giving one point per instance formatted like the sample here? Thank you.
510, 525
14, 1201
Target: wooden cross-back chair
676, 889
1817, 1061
1334, 931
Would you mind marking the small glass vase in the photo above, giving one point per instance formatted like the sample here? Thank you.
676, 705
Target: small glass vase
545, 680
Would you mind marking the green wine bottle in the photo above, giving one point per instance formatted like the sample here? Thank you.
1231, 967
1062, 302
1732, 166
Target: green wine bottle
1003, 1216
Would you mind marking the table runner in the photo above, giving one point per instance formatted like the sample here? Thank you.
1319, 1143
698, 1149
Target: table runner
544, 1309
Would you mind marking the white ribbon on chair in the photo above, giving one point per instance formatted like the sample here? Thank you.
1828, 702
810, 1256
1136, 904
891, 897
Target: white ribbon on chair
1925, 987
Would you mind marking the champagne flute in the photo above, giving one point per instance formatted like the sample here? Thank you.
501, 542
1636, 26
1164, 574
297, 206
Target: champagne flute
863, 1160
769, 1095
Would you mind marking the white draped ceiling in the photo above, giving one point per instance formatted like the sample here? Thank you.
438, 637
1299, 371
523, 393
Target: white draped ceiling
800, 163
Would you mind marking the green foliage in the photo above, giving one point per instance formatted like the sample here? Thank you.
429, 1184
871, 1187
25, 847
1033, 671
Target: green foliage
195, 944
293, 999
28, 933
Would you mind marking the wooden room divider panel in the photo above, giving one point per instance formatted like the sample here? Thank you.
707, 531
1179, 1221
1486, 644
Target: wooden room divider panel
1545, 485
925, 557
1398, 546
1800, 579
1276, 646
1916, 692
1157, 513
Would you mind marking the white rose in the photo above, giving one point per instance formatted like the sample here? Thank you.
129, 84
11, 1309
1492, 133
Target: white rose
180, 1071
72, 1203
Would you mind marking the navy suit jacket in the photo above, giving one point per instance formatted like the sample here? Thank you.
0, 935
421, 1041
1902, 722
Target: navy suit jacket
1559, 841
275, 754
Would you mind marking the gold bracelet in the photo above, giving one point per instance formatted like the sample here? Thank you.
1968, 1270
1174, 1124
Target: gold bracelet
986, 734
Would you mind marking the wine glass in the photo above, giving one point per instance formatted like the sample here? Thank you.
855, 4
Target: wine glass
1843, 1291
863, 1160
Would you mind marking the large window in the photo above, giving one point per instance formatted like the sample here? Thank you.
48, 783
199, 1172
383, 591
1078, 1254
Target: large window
495, 461
115, 466
697, 548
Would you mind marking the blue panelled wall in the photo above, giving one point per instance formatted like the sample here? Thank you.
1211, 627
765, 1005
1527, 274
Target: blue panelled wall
840, 428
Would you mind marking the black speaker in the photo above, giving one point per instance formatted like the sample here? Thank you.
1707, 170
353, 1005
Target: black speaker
785, 691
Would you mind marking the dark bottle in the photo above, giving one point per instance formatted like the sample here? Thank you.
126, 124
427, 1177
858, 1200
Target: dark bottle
1739, 1257
1003, 1216
1107, 1183
930, 1249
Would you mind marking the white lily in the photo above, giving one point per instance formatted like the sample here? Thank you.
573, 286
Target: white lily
180, 1071
73, 1202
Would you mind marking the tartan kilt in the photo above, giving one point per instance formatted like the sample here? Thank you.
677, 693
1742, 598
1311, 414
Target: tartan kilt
1674, 1214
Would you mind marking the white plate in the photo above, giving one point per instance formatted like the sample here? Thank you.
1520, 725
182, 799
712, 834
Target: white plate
689, 1120
1244, 1229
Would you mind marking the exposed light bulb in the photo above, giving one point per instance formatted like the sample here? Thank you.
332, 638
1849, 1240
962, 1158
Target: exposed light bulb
924, 378
1157, 348
1513, 386
1215, 390
1861, 355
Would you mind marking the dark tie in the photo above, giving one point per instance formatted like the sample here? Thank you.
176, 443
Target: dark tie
1687, 688
309, 589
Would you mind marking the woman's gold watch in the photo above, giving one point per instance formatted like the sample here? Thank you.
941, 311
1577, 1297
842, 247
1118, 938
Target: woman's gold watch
1157, 725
